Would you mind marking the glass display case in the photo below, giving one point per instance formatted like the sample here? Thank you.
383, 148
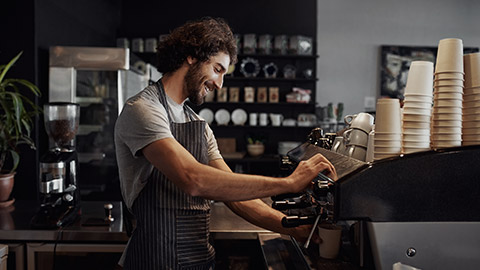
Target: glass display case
100, 80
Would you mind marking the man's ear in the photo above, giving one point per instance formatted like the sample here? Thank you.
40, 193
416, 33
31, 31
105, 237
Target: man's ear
191, 60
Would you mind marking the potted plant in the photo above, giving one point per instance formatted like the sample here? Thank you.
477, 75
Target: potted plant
17, 112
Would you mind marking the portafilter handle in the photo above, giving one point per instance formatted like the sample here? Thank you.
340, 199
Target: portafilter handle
295, 221
289, 204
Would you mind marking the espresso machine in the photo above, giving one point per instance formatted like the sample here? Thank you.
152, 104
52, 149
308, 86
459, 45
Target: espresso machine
57, 184
420, 209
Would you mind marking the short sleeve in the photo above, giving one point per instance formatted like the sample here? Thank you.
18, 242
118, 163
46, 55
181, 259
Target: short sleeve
213, 152
142, 122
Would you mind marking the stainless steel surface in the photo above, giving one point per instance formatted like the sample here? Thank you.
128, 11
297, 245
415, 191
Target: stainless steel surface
344, 165
90, 57
425, 245
62, 84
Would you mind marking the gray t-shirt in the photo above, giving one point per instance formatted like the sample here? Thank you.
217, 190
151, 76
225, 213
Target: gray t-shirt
142, 121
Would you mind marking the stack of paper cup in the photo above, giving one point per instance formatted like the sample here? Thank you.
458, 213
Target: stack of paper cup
448, 94
471, 100
417, 107
388, 132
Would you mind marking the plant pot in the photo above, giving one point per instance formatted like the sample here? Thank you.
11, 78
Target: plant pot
6, 185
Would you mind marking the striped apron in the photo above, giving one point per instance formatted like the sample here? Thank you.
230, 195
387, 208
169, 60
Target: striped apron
172, 230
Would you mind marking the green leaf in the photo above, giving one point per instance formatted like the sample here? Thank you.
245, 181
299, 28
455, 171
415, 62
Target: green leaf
10, 64
16, 160
17, 112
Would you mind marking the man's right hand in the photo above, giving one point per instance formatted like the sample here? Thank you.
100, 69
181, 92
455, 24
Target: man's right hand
307, 170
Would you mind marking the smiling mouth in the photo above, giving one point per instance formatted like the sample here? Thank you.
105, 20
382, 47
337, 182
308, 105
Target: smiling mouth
207, 89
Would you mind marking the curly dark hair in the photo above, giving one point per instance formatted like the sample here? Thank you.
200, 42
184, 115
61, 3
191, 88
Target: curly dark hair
199, 39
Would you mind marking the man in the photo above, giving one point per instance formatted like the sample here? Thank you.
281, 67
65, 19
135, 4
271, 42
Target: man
170, 167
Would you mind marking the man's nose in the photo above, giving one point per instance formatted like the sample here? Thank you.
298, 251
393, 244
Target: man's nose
219, 82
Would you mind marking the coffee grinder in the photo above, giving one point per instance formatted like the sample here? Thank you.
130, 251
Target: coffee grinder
59, 194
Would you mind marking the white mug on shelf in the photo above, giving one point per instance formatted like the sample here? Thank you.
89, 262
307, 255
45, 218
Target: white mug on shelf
253, 119
263, 119
276, 119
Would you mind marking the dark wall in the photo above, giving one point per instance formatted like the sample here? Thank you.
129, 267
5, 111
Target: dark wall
143, 18
32, 27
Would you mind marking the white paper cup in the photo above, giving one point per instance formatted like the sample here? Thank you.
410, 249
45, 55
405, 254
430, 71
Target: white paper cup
470, 97
448, 82
471, 90
388, 100
412, 124
446, 123
419, 98
410, 144
388, 116
416, 117
471, 117
416, 131
471, 110
331, 236
471, 124
446, 137
447, 103
415, 138
471, 131
447, 130
420, 111
445, 144
449, 55
468, 143
471, 137
448, 89
453, 110
418, 105
387, 143
471, 104
397, 136
387, 149
420, 78
449, 76
447, 116
448, 95
472, 69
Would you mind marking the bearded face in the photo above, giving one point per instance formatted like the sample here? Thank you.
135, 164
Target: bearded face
195, 83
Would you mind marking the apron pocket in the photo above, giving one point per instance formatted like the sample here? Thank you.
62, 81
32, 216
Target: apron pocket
192, 233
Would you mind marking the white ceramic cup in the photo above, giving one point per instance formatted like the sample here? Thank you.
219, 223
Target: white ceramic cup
252, 119
263, 119
363, 121
276, 119
355, 136
331, 236
357, 152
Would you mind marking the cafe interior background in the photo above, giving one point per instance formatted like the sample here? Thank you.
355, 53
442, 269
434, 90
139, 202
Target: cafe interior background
347, 39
